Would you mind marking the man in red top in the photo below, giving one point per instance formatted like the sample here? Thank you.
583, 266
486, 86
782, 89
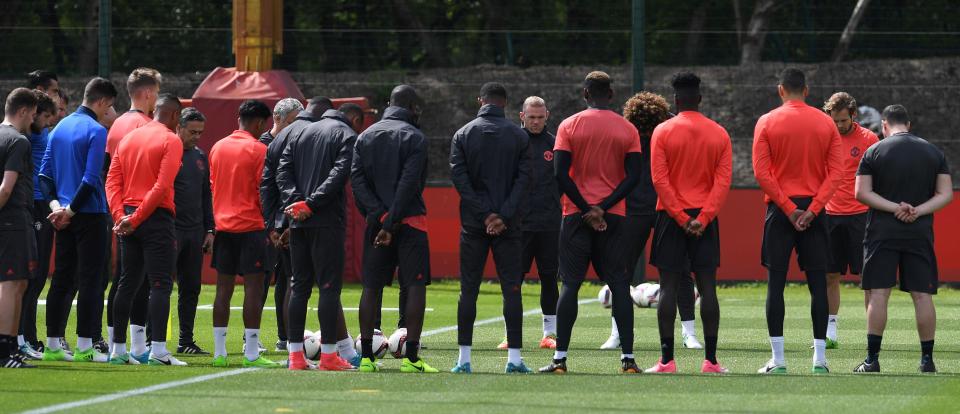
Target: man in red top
143, 85
597, 159
691, 164
846, 217
140, 193
797, 162
240, 245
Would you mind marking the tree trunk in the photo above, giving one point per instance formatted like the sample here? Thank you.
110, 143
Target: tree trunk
738, 21
87, 59
57, 38
751, 49
695, 32
847, 37
435, 53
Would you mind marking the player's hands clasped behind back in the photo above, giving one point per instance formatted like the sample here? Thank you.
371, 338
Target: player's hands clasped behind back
906, 213
495, 225
694, 228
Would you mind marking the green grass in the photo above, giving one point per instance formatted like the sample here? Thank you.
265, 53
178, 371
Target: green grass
592, 385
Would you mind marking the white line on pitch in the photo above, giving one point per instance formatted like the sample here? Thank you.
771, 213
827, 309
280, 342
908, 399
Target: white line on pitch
203, 378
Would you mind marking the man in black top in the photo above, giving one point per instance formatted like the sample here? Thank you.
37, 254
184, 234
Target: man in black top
490, 166
541, 216
18, 248
388, 175
275, 220
312, 173
194, 225
904, 180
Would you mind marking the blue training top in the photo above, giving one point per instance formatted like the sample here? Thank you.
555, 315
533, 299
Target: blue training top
75, 153
38, 144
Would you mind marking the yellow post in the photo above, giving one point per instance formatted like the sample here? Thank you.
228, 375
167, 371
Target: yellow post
257, 33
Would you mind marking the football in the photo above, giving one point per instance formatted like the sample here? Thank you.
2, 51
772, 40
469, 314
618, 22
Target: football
380, 345
605, 298
647, 295
398, 343
311, 345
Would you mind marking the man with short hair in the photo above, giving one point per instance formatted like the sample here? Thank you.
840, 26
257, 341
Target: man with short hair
541, 216
597, 163
904, 179
71, 181
27, 340
490, 166
276, 222
312, 175
284, 113
62, 105
239, 246
388, 175
798, 164
691, 164
18, 248
44, 81
846, 217
194, 225
143, 85
140, 189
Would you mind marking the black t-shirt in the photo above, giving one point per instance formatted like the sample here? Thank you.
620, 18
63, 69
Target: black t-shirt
15, 156
904, 168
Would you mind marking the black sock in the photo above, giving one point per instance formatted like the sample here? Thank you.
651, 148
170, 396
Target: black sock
666, 350
412, 349
710, 350
366, 348
873, 347
5, 349
926, 349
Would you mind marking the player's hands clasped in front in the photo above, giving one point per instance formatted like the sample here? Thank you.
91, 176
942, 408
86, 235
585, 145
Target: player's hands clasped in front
383, 239
594, 218
60, 218
495, 225
123, 227
694, 228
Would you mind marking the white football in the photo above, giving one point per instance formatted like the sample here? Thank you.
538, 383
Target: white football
380, 345
651, 296
605, 297
398, 343
636, 293
311, 346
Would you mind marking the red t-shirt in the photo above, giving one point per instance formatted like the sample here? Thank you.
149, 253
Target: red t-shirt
236, 168
598, 141
796, 153
122, 126
691, 163
854, 144
142, 172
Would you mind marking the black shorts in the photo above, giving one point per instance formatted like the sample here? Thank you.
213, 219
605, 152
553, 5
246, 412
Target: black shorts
846, 243
544, 246
241, 253
636, 230
780, 238
408, 255
18, 246
318, 253
675, 251
915, 259
580, 246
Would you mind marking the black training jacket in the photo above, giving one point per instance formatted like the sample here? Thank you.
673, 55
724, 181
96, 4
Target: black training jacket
490, 167
269, 191
541, 211
390, 168
642, 200
315, 167
191, 192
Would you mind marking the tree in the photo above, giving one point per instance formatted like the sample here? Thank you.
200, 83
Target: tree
847, 37
751, 48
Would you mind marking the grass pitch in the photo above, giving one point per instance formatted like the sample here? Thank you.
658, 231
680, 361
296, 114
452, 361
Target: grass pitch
592, 385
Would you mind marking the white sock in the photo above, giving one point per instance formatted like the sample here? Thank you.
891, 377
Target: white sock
20, 340
294, 347
832, 328
819, 351
688, 328
513, 356
345, 347
251, 344
559, 354
110, 339
159, 349
776, 345
328, 348
84, 344
464, 355
219, 341
613, 329
549, 325
622, 356
53, 342
118, 350
138, 339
